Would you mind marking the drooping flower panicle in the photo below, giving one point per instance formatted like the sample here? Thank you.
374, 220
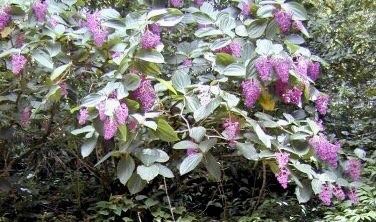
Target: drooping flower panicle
5, 17
292, 96
338, 192
83, 116
282, 158
98, 32
149, 40
121, 114
313, 70
199, 2
251, 92
18, 63
353, 169
283, 20
264, 68
325, 150
145, 94
40, 10
155, 28
322, 103
231, 130
326, 194
109, 128
283, 176
281, 68
353, 196
176, 3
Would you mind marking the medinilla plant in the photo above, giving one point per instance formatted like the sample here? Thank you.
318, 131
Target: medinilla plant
190, 79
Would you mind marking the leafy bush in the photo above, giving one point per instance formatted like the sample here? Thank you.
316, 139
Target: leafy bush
155, 89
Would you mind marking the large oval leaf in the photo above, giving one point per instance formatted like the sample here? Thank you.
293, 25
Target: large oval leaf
190, 162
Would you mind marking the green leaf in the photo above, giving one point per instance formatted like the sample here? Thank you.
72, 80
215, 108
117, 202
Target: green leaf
208, 31
212, 166
299, 12
247, 150
316, 186
197, 133
109, 13
135, 184
303, 193
88, 146
123, 132
165, 171
190, 163
207, 144
224, 59
43, 58
131, 81
265, 139
185, 144
85, 129
59, 70
264, 46
148, 173
150, 56
168, 85
180, 80
125, 169
165, 132
205, 111
234, 70
257, 28
265, 11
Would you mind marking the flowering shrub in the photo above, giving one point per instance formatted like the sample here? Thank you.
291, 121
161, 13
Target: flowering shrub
245, 85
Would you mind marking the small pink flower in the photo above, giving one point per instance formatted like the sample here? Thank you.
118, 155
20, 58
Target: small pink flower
292, 96
326, 195
150, 40
338, 193
283, 176
322, 103
354, 199
109, 128
282, 158
231, 130
121, 114
251, 90
5, 17
284, 20
353, 169
264, 68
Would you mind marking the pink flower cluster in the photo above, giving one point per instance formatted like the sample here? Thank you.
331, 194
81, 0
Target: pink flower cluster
281, 68
246, 9
325, 150
191, 151
283, 173
234, 48
292, 96
5, 17
328, 190
187, 62
264, 68
18, 63
150, 40
251, 92
40, 10
326, 194
111, 123
302, 66
98, 32
155, 28
321, 103
284, 20
313, 70
231, 130
25, 117
145, 94
83, 116
176, 3
199, 2
353, 169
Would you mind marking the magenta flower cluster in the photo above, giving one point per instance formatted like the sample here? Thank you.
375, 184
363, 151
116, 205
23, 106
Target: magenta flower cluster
18, 63
150, 40
155, 28
325, 150
145, 94
264, 67
98, 32
251, 92
246, 9
281, 68
191, 151
322, 103
353, 169
292, 96
283, 20
302, 66
338, 192
234, 48
187, 62
231, 130
40, 10
83, 116
5, 17
283, 173
326, 194
313, 70
25, 117
199, 2
176, 3
354, 199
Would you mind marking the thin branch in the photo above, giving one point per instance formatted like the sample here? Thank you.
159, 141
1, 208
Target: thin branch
262, 186
168, 199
